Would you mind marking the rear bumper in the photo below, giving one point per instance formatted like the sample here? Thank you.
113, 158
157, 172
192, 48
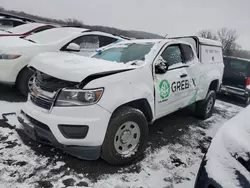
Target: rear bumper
42, 133
229, 90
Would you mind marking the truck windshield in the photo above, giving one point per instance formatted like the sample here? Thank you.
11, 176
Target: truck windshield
125, 53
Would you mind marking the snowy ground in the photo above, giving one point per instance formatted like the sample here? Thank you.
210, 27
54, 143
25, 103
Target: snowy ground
176, 146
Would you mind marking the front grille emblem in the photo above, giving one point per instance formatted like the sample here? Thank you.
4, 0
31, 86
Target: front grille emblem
35, 92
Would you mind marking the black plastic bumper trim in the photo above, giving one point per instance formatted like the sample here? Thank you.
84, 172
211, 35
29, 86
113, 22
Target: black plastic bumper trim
74, 131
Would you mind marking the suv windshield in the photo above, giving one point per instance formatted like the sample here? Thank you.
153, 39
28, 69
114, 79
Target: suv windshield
125, 53
51, 35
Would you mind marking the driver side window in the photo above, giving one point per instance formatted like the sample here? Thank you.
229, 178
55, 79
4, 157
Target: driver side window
172, 55
87, 42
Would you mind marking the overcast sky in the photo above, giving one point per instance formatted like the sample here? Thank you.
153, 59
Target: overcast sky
175, 17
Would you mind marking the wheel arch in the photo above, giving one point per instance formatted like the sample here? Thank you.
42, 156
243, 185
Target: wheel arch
140, 104
22, 69
214, 85
19, 73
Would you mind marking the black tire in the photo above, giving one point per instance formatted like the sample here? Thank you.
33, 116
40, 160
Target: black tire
201, 109
23, 80
118, 119
247, 101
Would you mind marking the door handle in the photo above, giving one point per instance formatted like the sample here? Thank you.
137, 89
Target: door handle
183, 75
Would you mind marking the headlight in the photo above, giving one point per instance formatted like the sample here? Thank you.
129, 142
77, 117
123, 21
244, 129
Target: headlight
9, 56
78, 97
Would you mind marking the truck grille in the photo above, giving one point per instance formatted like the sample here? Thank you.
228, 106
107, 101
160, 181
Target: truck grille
47, 87
51, 84
42, 102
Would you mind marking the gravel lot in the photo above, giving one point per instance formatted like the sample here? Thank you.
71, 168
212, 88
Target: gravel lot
176, 146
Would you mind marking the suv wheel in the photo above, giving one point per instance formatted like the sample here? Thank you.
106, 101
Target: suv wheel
23, 81
204, 108
126, 136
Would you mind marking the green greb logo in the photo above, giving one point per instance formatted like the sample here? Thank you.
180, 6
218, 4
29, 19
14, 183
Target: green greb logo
164, 89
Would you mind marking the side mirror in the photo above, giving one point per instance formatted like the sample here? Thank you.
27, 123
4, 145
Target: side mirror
73, 47
161, 66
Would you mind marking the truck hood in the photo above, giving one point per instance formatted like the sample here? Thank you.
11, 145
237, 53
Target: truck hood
72, 67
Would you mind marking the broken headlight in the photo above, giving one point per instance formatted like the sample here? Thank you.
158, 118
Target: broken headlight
79, 97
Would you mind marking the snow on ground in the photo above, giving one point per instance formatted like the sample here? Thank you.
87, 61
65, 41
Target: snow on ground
24, 163
174, 165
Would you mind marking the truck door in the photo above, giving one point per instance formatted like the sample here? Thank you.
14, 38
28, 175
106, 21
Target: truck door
171, 87
192, 66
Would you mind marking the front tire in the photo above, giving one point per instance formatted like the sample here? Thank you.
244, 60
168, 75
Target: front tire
126, 136
204, 108
24, 80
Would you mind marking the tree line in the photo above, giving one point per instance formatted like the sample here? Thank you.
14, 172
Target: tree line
228, 37
79, 23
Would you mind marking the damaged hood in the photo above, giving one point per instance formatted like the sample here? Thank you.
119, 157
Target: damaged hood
72, 67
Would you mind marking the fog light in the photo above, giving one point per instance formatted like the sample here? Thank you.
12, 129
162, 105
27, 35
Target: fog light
74, 131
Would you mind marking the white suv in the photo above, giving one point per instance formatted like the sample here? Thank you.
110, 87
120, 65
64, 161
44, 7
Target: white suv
16, 53
101, 106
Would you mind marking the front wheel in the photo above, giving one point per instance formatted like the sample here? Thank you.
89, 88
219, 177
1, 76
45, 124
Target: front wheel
24, 81
204, 108
126, 136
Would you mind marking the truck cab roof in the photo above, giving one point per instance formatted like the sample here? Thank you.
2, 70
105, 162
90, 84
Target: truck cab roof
201, 40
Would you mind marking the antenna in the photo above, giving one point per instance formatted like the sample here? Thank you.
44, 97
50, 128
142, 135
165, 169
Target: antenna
165, 36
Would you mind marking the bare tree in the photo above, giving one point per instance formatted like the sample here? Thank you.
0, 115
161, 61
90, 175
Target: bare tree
207, 34
74, 22
242, 53
228, 38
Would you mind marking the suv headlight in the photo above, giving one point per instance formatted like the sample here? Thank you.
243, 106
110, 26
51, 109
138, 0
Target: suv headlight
79, 97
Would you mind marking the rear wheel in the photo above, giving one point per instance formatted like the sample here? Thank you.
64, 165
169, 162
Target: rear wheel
204, 108
24, 81
126, 136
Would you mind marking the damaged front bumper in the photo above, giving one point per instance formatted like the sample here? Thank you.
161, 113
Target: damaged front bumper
41, 132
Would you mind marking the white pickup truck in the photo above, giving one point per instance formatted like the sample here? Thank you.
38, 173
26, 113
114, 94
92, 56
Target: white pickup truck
102, 106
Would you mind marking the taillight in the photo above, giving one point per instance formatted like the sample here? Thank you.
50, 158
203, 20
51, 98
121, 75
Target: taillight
248, 81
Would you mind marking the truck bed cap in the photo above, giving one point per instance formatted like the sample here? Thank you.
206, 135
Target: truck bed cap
209, 41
